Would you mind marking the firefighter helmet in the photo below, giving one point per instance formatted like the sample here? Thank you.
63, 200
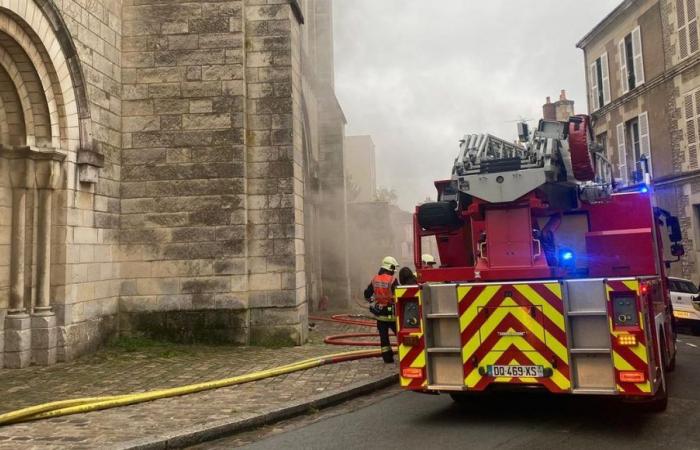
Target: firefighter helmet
390, 263
428, 259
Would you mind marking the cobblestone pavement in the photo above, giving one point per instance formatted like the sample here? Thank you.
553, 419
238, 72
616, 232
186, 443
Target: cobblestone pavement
117, 371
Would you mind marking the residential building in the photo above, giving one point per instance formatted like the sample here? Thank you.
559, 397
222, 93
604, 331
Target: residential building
160, 162
643, 85
360, 168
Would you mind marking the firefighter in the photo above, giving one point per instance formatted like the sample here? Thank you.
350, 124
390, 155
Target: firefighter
380, 293
428, 260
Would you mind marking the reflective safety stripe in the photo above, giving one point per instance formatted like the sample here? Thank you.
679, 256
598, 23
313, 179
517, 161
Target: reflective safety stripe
386, 349
385, 318
412, 356
513, 324
634, 357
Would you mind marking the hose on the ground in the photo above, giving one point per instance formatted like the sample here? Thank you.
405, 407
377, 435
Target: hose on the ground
348, 339
88, 404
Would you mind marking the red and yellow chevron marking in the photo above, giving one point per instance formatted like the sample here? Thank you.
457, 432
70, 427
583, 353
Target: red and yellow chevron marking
412, 356
627, 357
489, 317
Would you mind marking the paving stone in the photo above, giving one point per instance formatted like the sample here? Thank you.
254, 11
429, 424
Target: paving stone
116, 371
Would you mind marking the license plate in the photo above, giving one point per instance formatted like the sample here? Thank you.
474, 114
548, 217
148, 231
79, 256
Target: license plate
516, 371
681, 314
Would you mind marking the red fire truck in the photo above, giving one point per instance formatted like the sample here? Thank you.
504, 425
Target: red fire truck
551, 274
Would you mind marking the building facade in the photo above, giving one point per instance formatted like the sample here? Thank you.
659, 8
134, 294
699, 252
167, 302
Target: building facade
360, 167
159, 162
643, 77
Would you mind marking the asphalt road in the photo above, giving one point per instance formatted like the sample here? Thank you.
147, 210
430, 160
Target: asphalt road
396, 419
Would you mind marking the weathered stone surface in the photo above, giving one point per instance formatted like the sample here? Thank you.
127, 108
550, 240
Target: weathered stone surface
192, 108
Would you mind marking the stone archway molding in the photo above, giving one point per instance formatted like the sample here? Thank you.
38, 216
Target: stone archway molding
68, 55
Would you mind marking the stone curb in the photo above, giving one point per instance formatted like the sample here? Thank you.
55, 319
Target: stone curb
215, 430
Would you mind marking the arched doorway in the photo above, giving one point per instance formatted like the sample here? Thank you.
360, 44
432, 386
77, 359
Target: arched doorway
44, 121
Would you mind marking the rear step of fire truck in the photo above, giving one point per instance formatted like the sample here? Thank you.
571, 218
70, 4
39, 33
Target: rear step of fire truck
582, 336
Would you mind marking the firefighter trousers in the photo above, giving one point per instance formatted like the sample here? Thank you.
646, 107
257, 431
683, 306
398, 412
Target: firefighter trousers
383, 326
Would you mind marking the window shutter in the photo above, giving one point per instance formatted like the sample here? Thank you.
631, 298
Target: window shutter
690, 131
624, 81
621, 153
692, 20
594, 87
606, 78
637, 56
686, 15
693, 36
644, 141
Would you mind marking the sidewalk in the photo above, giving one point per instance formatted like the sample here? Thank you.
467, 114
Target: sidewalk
138, 366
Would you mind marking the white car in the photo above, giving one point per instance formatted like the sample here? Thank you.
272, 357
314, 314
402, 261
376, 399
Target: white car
685, 297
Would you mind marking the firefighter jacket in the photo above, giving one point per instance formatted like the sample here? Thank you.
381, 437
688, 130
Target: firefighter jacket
383, 289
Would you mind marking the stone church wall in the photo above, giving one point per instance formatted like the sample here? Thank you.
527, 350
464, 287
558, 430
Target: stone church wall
161, 174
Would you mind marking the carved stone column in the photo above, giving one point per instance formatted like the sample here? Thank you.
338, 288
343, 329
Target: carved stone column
31, 338
17, 322
48, 175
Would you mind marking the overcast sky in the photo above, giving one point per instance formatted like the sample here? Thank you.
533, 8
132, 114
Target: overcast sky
418, 75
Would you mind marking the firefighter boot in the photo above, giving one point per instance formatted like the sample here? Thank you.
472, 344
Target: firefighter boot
383, 327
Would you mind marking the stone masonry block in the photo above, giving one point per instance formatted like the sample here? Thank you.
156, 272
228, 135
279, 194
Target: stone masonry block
266, 299
265, 282
183, 42
276, 336
200, 57
45, 357
43, 321
201, 89
221, 40
205, 285
18, 340
274, 316
267, 12
174, 27
210, 25
43, 339
17, 360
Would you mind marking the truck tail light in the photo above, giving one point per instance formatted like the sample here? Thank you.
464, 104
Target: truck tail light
627, 339
643, 289
630, 376
412, 372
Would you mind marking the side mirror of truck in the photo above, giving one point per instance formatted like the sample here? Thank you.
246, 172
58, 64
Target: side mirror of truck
677, 250
675, 234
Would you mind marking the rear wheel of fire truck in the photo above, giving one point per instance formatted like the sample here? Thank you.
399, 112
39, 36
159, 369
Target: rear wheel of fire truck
659, 401
672, 364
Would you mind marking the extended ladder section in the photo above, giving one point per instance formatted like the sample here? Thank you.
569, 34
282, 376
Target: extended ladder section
485, 153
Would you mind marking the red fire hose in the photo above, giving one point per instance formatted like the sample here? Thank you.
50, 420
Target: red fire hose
347, 339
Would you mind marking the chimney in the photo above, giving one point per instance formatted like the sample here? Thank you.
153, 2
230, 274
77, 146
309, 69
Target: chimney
549, 110
564, 108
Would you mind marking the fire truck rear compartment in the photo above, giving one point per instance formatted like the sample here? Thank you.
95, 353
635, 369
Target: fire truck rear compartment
584, 364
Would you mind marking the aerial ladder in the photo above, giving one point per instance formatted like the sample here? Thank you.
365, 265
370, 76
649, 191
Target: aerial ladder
551, 276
